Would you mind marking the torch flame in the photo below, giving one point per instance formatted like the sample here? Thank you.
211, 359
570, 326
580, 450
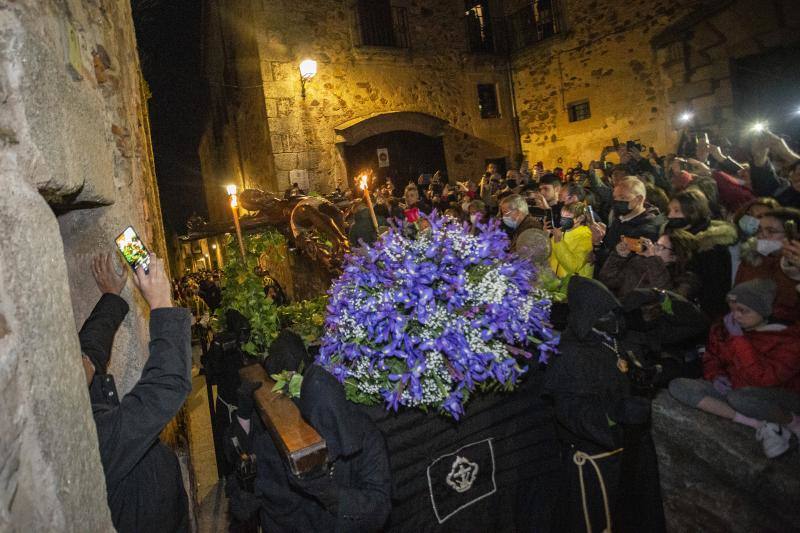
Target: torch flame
363, 182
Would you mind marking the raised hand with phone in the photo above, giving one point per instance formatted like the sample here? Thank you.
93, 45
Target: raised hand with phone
143, 477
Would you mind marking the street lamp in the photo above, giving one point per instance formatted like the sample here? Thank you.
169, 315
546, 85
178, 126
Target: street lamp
308, 69
235, 208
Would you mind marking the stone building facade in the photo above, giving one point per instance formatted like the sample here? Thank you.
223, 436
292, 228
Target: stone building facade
423, 80
570, 75
75, 169
639, 66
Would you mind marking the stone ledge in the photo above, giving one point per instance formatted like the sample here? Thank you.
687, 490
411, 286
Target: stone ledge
714, 476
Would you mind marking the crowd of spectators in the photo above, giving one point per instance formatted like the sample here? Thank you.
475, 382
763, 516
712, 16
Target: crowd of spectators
715, 231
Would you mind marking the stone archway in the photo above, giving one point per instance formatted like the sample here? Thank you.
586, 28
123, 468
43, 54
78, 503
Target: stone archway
356, 130
413, 139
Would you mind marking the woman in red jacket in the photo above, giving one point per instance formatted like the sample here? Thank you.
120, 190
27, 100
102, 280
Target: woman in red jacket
751, 369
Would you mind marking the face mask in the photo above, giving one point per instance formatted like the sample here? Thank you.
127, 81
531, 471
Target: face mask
621, 208
677, 222
511, 184
767, 247
749, 225
510, 222
475, 218
567, 223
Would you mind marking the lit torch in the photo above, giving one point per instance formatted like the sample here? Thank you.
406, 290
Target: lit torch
364, 184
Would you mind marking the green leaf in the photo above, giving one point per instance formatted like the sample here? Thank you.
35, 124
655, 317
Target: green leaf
295, 384
666, 305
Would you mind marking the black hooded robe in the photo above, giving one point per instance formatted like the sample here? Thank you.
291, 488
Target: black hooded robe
585, 383
354, 494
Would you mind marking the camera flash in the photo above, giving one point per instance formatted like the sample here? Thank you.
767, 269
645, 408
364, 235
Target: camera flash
686, 117
758, 127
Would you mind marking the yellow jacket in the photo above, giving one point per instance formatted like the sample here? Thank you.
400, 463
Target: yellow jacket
571, 255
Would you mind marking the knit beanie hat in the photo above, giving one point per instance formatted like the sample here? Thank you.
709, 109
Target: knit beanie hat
757, 294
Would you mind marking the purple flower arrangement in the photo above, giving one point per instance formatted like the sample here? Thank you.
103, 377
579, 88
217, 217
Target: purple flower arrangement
425, 318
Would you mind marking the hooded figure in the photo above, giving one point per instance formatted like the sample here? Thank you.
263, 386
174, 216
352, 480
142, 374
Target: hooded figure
601, 425
354, 491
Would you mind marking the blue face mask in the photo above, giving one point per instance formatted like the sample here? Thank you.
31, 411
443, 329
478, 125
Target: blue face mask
510, 222
749, 225
566, 223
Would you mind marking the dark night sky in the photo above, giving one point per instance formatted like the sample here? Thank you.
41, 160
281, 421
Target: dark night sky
168, 34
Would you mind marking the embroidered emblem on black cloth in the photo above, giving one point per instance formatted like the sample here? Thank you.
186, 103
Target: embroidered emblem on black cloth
459, 479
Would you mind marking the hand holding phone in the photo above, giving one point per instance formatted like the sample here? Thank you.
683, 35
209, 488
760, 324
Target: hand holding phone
154, 285
133, 250
590, 212
790, 227
634, 244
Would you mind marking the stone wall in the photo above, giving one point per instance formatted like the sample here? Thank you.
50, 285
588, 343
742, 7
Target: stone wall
603, 55
695, 56
639, 66
75, 168
435, 76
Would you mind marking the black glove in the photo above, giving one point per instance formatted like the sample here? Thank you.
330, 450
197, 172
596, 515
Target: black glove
321, 487
244, 395
630, 410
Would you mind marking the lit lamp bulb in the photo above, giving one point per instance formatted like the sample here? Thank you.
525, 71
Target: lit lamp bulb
686, 117
308, 69
232, 193
758, 127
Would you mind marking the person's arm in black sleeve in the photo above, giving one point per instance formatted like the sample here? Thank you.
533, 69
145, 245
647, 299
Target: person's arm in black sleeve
97, 334
764, 179
156, 398
129, 430
366, 503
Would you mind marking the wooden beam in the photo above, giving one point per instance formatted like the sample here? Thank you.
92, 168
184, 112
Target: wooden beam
303, 449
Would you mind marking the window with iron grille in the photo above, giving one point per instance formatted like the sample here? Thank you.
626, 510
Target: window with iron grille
579, 111
536, 21
381, 24
487, 100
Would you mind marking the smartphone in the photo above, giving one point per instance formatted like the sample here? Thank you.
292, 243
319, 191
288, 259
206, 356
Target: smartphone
592, 218
790, 226
133, 249
634, 244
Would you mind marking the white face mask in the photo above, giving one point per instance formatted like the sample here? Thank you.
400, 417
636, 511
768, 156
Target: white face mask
475, 218
768, 247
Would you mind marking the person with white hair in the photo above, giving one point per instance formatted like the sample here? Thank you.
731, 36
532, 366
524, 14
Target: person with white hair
516, 218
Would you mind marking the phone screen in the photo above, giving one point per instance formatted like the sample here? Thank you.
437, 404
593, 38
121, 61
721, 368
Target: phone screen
592, 218
133, 249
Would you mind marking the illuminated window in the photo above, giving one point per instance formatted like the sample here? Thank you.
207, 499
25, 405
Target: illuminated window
479, 26
579, 111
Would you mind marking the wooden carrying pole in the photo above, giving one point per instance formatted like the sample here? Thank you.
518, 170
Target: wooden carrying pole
303, 449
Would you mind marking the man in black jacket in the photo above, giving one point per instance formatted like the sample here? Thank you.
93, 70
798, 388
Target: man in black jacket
631, 218
143, 478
